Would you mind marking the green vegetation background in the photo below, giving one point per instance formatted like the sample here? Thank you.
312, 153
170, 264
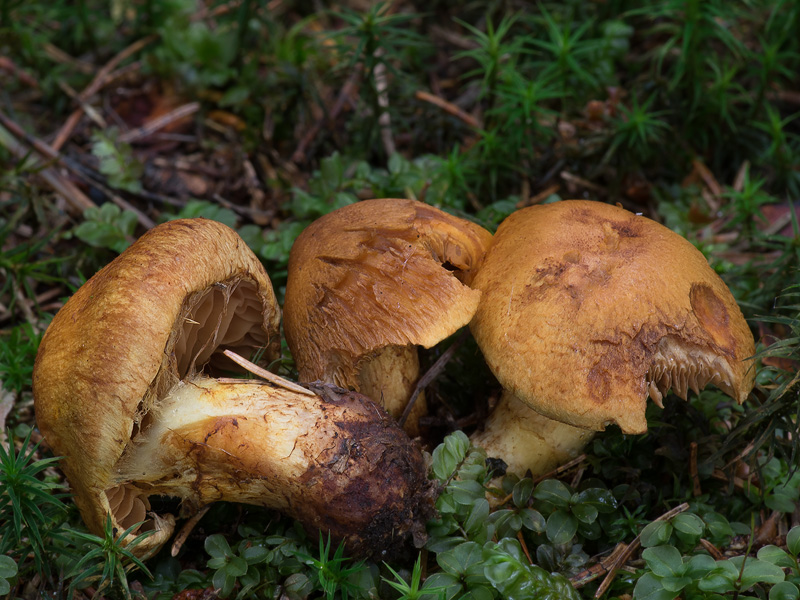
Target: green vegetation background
274, 113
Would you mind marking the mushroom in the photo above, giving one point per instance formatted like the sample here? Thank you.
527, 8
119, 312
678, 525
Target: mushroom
370, 282
123, 391
588, 309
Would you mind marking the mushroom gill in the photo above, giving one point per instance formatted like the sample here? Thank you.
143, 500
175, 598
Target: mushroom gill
679, 367
225, 315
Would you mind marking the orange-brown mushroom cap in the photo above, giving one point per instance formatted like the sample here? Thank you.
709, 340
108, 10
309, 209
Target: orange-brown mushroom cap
588, 308
149, 318
377, 274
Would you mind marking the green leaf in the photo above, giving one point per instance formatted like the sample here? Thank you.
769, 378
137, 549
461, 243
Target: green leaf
793, 541
208, 210
533, 520
649, 587
522, 492
780, 501
656, 533
699, 566
117, 160
255, 554
553, 492
675, 584
601, 499
586, 513
718, 526
784, 591
458, 560
107, 227
477, 516
721, 579
448, 455
664, 561
236, 567
759, 571
8, 567
217, 546
561, 527
466, 492
776, 556
451, 584
224, 582
689, 524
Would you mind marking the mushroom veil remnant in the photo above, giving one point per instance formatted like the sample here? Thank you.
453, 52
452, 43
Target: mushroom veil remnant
588, 309
370, 282
124, 390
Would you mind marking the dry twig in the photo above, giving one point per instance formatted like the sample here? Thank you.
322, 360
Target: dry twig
95, 86
431, 374
154, 125
60, 184
624, 555
264, 374
449, 108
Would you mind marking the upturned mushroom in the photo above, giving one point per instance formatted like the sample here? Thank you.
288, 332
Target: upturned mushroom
588, 309
372, 281
124, 391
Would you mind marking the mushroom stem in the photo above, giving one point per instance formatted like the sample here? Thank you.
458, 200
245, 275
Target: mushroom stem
389, 377
526, 440
337, 464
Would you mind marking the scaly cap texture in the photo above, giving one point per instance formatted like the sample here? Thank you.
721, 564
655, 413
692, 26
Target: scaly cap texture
378, 273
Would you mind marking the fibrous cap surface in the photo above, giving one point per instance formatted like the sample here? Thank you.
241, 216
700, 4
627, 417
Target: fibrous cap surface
378, 273
588, 308
149, 318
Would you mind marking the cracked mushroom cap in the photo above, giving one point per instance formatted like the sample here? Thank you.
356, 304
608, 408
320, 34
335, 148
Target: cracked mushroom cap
386, 273
587, 309
155, 315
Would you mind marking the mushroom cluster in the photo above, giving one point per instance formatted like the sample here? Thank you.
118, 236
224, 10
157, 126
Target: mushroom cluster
129, 388
582, 311
586, 310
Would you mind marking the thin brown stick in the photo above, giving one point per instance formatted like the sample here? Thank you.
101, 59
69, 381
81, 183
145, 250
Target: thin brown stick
87, 108
626, 554
598, 569
431, 374
6, 64
696, 489
448, 107
61, 185
56, 54
522, 543
559, 470
711, 549
154, 125
95, 86
536, 199
264, 374
44, 149
581, 182
187, 528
